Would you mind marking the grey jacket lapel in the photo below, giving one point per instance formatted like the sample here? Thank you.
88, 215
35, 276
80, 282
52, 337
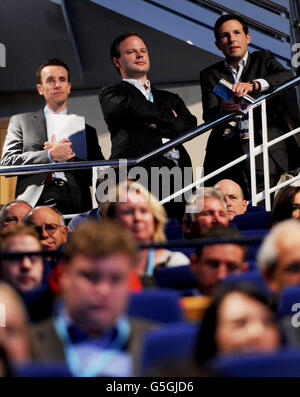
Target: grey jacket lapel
39, 124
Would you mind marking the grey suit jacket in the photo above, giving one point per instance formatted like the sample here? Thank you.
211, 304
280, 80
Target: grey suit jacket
24, 142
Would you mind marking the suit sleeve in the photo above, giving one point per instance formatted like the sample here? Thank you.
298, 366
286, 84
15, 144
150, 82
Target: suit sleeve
126, 110
276, 73
13, 147
93, 148
183, 122
211, 103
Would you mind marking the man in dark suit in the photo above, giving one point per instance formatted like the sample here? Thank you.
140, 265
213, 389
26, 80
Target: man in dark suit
141, 118
90, 329
254, 74
28, 141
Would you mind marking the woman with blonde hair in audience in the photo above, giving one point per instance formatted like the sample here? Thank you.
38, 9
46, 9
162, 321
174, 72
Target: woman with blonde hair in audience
138, 210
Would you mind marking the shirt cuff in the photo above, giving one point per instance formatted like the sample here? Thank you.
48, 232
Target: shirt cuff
49, 157
264, 85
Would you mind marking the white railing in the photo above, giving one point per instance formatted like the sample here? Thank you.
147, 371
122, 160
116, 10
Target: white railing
253, 152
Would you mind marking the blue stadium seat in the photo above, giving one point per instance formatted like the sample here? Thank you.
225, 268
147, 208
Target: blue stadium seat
289, 297
255, 208
173, 229
42, 369
282, 363
253, 277
179, 277
173, 342
157, 304
252, 220
254, 247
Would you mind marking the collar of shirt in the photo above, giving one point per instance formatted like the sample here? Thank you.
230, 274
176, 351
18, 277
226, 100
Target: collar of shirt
140, 86
47, 110
78, 335
237, 73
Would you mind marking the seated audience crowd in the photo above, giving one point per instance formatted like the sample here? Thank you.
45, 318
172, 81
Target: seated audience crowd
86, 325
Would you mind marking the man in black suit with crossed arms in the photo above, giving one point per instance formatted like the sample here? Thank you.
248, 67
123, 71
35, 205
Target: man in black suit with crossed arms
141, 118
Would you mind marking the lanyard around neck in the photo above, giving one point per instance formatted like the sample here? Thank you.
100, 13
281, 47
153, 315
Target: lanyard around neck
98, 365
150, 262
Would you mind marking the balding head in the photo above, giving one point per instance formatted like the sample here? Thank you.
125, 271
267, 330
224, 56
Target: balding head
234, 197
13, 212
50, 225
279, 255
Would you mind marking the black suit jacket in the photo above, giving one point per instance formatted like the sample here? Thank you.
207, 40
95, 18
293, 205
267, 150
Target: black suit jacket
260, 64
137, 125
24, 142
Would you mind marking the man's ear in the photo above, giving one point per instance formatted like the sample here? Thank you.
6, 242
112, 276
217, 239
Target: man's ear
194, 262
39, 88
248, 36
269, 275
116, 62
217, 45
245, 266
65, 231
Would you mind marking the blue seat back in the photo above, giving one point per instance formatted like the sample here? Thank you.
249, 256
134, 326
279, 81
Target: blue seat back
252, 220
283, 363
157, 304
179, 277
42, 369
170, 343
289, 297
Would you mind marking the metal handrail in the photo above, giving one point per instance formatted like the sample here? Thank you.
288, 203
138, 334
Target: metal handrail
68, 166
254, 151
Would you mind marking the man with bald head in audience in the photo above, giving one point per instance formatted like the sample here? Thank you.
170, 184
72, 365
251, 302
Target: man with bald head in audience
236, 203
206, 208
278, 258
50, 225
13, 212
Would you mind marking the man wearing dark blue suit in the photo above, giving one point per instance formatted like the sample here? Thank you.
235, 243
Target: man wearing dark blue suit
255, 74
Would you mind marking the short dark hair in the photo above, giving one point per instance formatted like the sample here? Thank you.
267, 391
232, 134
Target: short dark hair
52, 62
100, 239
115, 46
229, 17
218, 231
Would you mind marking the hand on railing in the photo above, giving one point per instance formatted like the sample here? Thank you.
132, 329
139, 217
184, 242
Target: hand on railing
229, 106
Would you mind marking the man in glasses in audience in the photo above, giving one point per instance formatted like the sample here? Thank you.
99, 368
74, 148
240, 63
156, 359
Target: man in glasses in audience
278, 258
24, 273
13, 212
50, 225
